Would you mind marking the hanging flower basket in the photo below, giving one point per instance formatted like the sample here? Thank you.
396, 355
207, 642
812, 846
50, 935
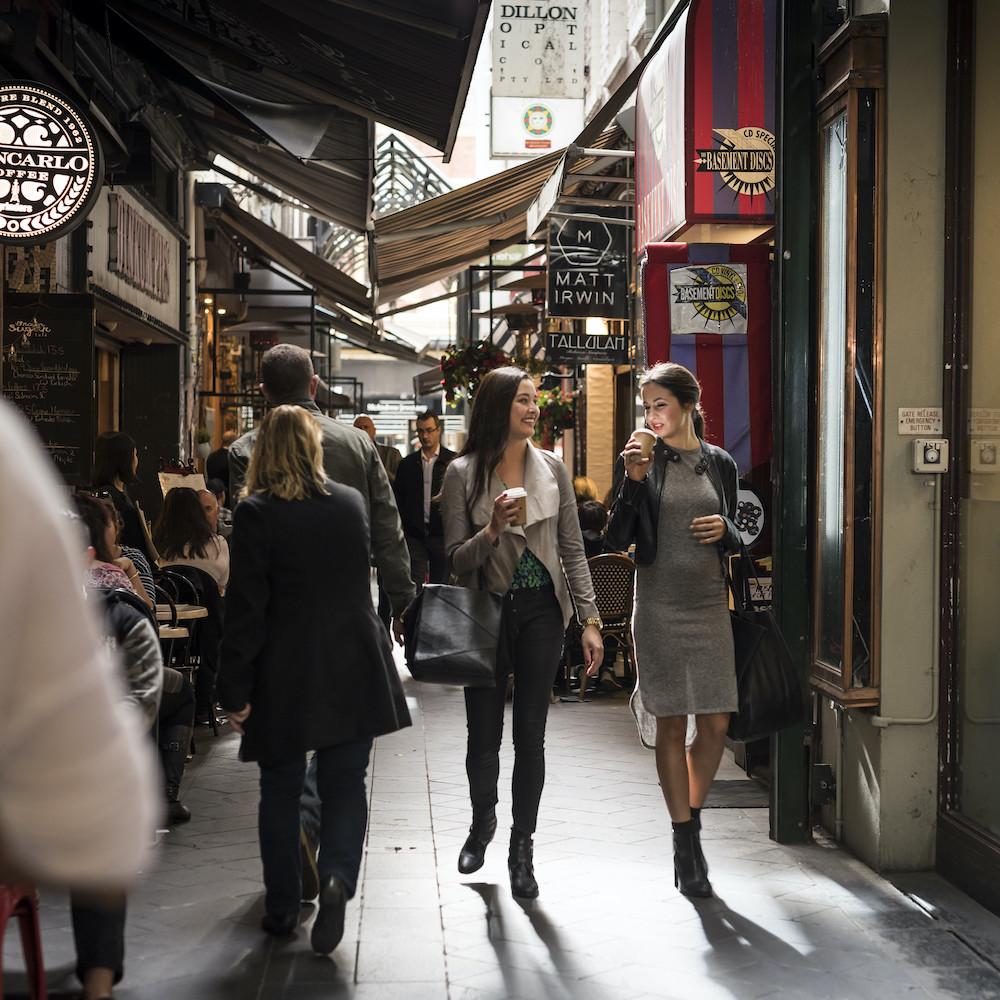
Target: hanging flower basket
555, 414
463, 367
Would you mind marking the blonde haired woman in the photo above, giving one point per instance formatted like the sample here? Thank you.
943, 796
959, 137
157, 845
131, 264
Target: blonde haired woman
305, 664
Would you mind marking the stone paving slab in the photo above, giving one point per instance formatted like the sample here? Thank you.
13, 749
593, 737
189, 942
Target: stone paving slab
788, 921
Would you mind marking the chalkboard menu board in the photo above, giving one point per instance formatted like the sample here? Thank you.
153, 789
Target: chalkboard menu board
48, 372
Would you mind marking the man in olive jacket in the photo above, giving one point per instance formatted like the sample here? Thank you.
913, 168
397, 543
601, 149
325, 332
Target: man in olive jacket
349, 457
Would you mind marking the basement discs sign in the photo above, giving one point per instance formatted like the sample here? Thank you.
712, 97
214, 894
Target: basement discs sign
50, 164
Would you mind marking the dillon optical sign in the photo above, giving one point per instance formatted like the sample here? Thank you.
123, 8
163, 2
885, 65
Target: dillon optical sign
50, 164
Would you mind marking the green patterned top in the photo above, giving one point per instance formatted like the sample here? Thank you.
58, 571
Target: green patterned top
530, 573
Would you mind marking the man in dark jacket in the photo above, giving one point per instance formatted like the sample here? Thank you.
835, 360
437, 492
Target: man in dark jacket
418, 481
217, 463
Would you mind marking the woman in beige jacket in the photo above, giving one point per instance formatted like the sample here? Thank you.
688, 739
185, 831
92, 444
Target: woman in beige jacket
541, 568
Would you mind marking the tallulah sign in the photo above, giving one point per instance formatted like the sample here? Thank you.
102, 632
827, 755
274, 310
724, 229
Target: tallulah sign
50, 164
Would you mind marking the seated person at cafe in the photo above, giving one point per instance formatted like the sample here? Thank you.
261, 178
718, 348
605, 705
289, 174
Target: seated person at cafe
99, 923
585, 489
103, 568
210, 505
222, 497
183, 537
593, 517
131, 632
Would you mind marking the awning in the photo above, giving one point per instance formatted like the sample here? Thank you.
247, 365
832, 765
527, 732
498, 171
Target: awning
583, 181
344, 298
333, 287
440, 237
406, 65
339, 194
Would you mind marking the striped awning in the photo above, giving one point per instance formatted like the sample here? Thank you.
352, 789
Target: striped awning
440, 237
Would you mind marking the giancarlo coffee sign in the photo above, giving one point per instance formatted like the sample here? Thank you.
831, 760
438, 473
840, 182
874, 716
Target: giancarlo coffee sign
50, 164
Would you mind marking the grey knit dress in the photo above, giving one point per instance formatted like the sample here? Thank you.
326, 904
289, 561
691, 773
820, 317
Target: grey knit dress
683, 637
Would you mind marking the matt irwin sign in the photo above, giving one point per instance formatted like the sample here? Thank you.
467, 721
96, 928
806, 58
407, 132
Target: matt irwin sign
588, 268
50, 164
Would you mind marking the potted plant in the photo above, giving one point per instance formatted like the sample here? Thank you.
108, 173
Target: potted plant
555, 414
204, 443
463, 365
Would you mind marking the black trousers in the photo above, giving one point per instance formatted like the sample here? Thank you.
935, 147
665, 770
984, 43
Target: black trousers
537, 624
99, 934
428, 563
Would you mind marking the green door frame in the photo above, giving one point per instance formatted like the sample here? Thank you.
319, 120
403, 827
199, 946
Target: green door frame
791, 338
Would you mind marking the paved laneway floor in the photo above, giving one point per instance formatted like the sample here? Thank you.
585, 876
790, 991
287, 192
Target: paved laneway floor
789, 922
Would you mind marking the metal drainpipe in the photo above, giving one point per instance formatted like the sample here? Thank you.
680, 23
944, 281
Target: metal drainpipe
192, 282
838, 800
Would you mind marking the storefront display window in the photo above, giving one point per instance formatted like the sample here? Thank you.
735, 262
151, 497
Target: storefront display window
830, 486
848, 425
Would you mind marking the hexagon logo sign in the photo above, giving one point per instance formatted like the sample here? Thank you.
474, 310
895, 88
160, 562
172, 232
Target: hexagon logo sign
588, 267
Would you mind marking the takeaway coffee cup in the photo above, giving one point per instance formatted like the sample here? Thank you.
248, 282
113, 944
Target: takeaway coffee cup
646, 439
521, 496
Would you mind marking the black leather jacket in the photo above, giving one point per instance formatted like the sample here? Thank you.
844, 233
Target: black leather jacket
636, 509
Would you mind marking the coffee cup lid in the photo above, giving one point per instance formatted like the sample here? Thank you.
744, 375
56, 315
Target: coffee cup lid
515, 492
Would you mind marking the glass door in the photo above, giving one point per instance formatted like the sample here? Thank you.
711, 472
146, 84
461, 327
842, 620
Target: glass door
968, 848
977, 640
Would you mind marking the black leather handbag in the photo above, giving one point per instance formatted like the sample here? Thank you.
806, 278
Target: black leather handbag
770, 694
452, 635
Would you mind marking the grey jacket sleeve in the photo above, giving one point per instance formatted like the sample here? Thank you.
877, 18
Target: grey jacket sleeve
143, 662
388, 544
239, 459
732, 539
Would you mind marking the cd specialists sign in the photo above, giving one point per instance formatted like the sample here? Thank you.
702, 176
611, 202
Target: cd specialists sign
50, 164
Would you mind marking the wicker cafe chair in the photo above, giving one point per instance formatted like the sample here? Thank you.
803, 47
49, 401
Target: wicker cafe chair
613, 577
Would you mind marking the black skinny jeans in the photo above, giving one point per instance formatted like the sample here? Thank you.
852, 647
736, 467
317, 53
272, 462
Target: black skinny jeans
537, 623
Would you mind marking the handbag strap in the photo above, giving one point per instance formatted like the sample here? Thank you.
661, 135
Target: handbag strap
739, 598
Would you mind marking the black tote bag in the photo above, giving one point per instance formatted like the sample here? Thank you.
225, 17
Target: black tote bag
452, 635
770, 694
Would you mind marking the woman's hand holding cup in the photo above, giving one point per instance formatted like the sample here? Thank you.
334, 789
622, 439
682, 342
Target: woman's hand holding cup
638, 453
505, 512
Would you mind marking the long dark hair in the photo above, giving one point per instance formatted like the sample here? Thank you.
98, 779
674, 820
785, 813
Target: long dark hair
114, 453
96, 516
677, 380
489, 427
182, 530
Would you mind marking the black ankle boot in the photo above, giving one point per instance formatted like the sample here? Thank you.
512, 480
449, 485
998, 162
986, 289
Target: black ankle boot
690, 872
699, 856
521, 867
484, 825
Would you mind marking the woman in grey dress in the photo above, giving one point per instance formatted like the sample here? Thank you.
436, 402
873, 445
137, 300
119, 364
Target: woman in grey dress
677, 506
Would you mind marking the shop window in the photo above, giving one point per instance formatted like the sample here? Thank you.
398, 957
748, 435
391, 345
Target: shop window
849, 413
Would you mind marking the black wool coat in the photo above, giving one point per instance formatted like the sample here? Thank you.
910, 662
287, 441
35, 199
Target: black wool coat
302, 642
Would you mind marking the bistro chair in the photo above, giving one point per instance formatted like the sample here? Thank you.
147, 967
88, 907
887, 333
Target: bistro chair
20, 900
613, 577
194, 586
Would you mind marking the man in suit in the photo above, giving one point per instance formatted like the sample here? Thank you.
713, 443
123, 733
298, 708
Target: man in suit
418, 482
217, 463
